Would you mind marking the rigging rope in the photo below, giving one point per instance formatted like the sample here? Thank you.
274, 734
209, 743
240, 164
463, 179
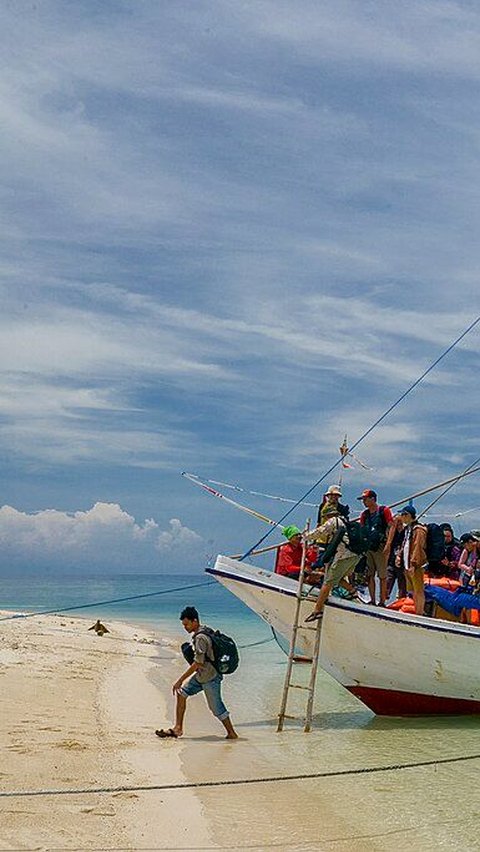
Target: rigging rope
449, 487
367, 432
198, 480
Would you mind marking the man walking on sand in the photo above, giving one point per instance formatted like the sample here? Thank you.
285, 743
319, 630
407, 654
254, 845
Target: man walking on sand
201, 676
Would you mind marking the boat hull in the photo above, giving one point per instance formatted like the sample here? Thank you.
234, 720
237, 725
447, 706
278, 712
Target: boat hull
396, 663
401, 664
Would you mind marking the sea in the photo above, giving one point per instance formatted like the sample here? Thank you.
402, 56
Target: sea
153, 600
437, 806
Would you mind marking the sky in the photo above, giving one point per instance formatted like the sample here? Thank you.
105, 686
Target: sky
231, 232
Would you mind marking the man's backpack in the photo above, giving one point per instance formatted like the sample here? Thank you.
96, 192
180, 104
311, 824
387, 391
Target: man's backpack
355, 536
435, 543
376, 530
359, 538
225, 651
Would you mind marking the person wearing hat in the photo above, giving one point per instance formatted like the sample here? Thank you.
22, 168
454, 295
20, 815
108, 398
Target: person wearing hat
332, 498
468, 557
415, 556
289, 555
339, 567
380, 524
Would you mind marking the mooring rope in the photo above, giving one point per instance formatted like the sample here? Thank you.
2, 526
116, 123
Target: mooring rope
106, 603
235, 782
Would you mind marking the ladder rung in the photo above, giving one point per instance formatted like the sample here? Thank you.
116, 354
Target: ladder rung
286, 716
297, 686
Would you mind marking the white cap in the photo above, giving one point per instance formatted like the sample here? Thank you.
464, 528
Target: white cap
334, 489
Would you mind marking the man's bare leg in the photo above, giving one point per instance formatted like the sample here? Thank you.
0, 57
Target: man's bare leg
371, 589
179, 714
383, 592
419, 601
322, 597
231, 732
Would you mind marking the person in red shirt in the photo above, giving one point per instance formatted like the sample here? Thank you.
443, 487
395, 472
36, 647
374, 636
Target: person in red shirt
289, 555
380, 524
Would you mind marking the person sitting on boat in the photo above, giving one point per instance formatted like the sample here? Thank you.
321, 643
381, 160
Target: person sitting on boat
339, 567
332, 498
379, 522
289, 555
453, 551
468, 557
415, 556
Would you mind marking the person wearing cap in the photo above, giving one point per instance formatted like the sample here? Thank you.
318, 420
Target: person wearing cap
415, 556
332, 498
468, 557
289, 555
341, 565
380, 524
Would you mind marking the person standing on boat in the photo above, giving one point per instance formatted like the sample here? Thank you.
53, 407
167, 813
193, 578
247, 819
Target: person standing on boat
381, 527
331, 498
289, 555
395, 569
341, 565
201, 676
415, 556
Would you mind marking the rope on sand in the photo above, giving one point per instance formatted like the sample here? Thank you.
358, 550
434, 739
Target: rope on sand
189, 785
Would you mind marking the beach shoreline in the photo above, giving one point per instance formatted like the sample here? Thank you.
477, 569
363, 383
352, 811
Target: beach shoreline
79, 712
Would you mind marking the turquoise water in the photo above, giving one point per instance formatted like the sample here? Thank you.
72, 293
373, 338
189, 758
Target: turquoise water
263, 665
216, 605
390, 812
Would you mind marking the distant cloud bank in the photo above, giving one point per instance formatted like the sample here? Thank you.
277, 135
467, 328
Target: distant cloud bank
104, 537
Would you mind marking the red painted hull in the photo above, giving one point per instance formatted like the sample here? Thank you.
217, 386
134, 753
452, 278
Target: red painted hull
391, 702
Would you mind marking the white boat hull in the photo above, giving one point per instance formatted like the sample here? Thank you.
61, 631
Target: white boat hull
401, 664
395, 663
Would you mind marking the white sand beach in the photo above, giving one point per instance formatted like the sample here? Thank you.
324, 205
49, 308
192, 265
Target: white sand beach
79, 711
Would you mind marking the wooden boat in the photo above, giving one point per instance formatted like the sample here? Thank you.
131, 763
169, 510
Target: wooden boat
396, 663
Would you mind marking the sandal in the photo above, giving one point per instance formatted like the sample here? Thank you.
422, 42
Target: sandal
314, 616
168, 734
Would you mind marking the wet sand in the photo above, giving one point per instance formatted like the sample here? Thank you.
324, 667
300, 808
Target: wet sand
78, 711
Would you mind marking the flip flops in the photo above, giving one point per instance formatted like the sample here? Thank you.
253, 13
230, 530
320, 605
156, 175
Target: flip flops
168, 734
314, 616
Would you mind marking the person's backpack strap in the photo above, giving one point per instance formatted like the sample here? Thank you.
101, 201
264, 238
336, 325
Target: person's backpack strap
208, 631
382, 509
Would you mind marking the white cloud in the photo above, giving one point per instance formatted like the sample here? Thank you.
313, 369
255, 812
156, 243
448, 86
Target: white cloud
105, 537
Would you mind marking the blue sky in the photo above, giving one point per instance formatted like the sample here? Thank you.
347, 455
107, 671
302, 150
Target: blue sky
231, 232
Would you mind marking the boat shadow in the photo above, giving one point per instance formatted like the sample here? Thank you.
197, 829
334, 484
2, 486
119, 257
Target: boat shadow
366, 720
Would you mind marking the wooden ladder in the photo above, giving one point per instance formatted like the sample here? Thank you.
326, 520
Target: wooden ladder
292, 657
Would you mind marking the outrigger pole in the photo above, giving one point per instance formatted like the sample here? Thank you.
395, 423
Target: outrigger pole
434, 487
